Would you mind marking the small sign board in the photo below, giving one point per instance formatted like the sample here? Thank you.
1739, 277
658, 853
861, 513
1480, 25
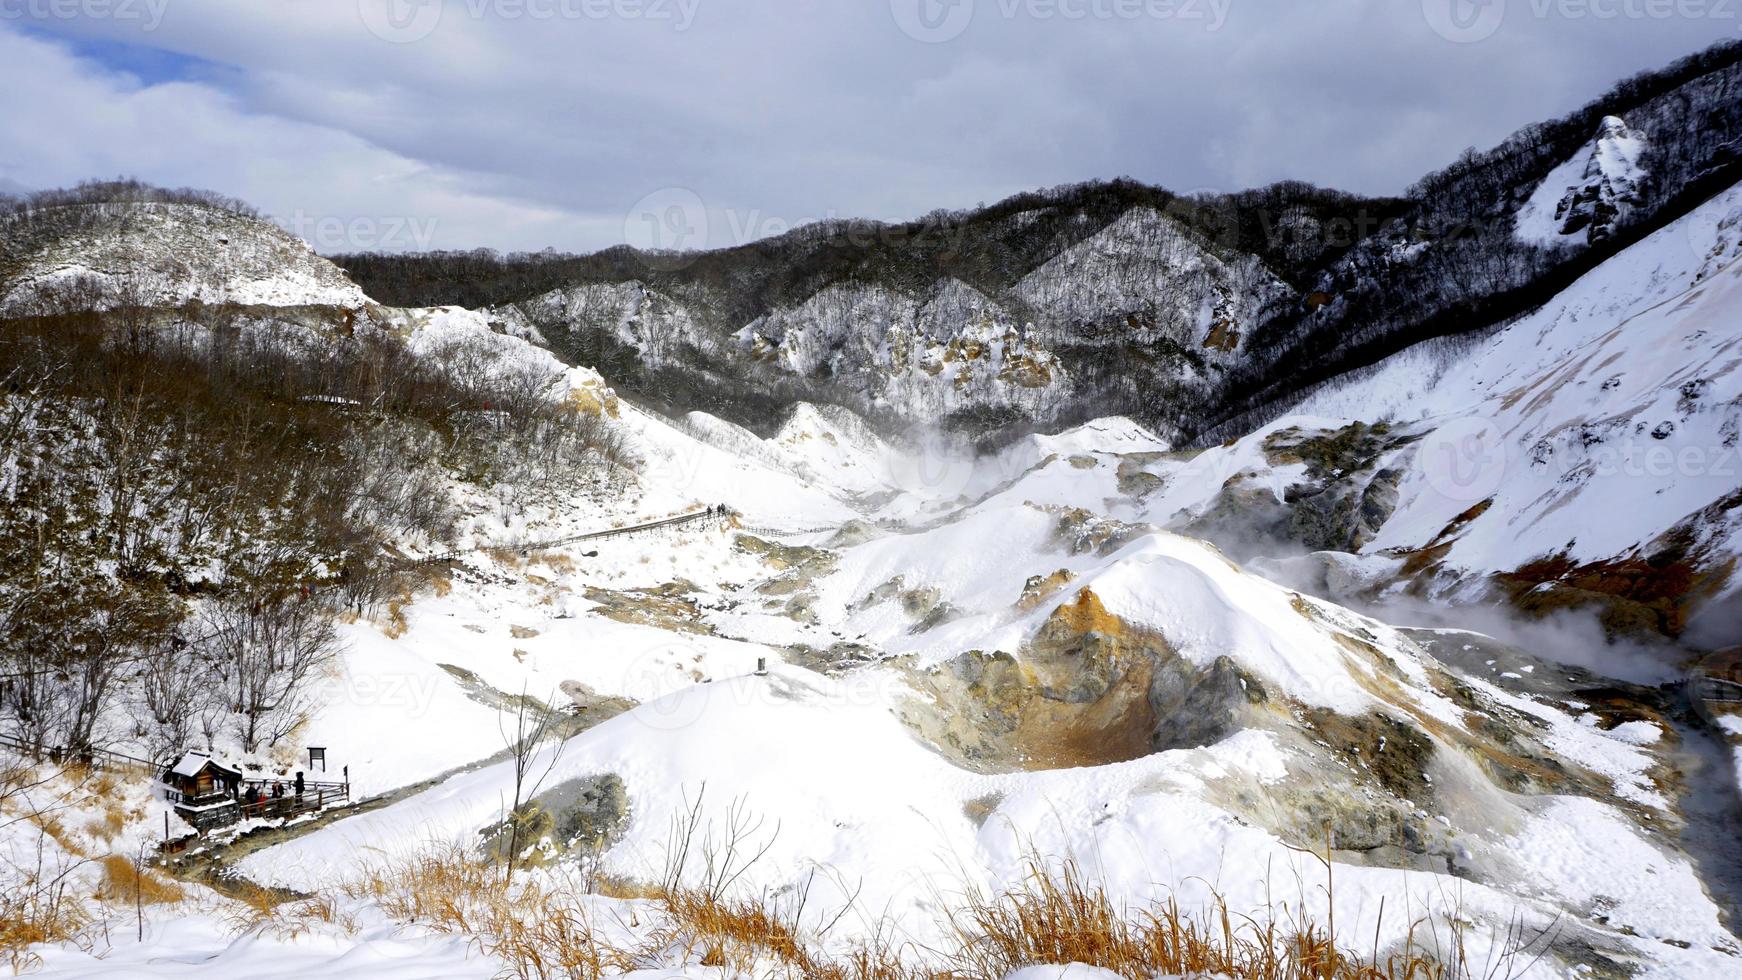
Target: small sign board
317, 755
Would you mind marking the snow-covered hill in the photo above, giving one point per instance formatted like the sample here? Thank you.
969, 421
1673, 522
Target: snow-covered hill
1590, 193
160, 254
1198, 315
1578, 446
1048, 677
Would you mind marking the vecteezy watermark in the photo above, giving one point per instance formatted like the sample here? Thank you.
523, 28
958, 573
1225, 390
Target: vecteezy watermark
411, 695
400, 21
147, 13
1652, 459
671, 219
1465, 460
937, 21
330, 234
405, 21
1469, 21
670, 225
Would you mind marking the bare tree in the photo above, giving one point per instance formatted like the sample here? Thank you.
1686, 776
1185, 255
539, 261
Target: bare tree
268, 653
174, 692
533, 727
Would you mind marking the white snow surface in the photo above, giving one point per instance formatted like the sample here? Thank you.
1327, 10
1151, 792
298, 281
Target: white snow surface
1594, 424
853, 805
1608, 169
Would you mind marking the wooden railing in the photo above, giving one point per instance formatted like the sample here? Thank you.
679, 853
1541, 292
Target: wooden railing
315, 797
92, 758
790, 532
659, 525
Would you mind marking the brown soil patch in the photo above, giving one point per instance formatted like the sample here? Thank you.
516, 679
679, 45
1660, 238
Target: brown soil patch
1116, 727
665, 607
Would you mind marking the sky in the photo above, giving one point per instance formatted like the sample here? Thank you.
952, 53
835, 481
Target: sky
403, 125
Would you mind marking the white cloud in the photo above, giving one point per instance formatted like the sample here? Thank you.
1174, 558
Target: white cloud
67, 119
512, 129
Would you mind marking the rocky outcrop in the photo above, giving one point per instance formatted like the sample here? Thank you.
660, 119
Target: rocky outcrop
1346, 490
1087, 689
1610, 184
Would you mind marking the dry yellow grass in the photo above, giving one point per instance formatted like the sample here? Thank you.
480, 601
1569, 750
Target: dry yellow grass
735, 935
560, 562
1056, 917
396, 624
31, 915
264, 910
540, 932
1053, 916
124, 883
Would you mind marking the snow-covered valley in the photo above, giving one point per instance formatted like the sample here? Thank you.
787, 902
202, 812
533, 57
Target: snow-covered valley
896, 676
373, 641
948, 694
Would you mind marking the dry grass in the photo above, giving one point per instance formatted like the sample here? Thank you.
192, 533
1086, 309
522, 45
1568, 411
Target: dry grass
41, 905
266, 911
736, 935
537, 929
1055, 916
125, 883
560, 562
396, 624
540, 927
106, 827
30, 916
626, 889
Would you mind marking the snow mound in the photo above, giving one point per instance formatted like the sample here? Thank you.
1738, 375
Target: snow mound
159, 254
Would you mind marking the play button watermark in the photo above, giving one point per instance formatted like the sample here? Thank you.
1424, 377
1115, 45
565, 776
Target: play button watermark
1464, 460
1464, 21
932, 21
400, 21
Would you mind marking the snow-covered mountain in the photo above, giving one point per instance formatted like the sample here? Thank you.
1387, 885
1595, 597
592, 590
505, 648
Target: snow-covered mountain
1589, 195
812, 656
1587, 452
1201, 316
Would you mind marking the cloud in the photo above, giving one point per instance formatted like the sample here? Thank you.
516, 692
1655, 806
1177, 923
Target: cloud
334, 188
524, 123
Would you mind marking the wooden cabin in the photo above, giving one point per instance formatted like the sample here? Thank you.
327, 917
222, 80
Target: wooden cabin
203, 789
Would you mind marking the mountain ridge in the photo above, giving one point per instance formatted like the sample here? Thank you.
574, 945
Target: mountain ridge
1179, 328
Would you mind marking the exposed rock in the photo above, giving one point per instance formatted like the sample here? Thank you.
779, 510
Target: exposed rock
591, 812
1082, 532
578, 816
1610, 185
1135, 481
1087, 689
668, 606
1039, 588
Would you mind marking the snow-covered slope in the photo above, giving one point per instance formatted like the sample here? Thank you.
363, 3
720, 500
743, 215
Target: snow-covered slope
1331, 718
161, 254
1586, 196
1149, 276
1602, 428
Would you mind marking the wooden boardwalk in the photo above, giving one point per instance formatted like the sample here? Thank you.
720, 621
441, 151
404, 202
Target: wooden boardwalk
681, 520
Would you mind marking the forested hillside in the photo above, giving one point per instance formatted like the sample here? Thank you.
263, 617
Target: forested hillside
1196, 314
192, 494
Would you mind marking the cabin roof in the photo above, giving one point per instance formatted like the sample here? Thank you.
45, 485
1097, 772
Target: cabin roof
192, 763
